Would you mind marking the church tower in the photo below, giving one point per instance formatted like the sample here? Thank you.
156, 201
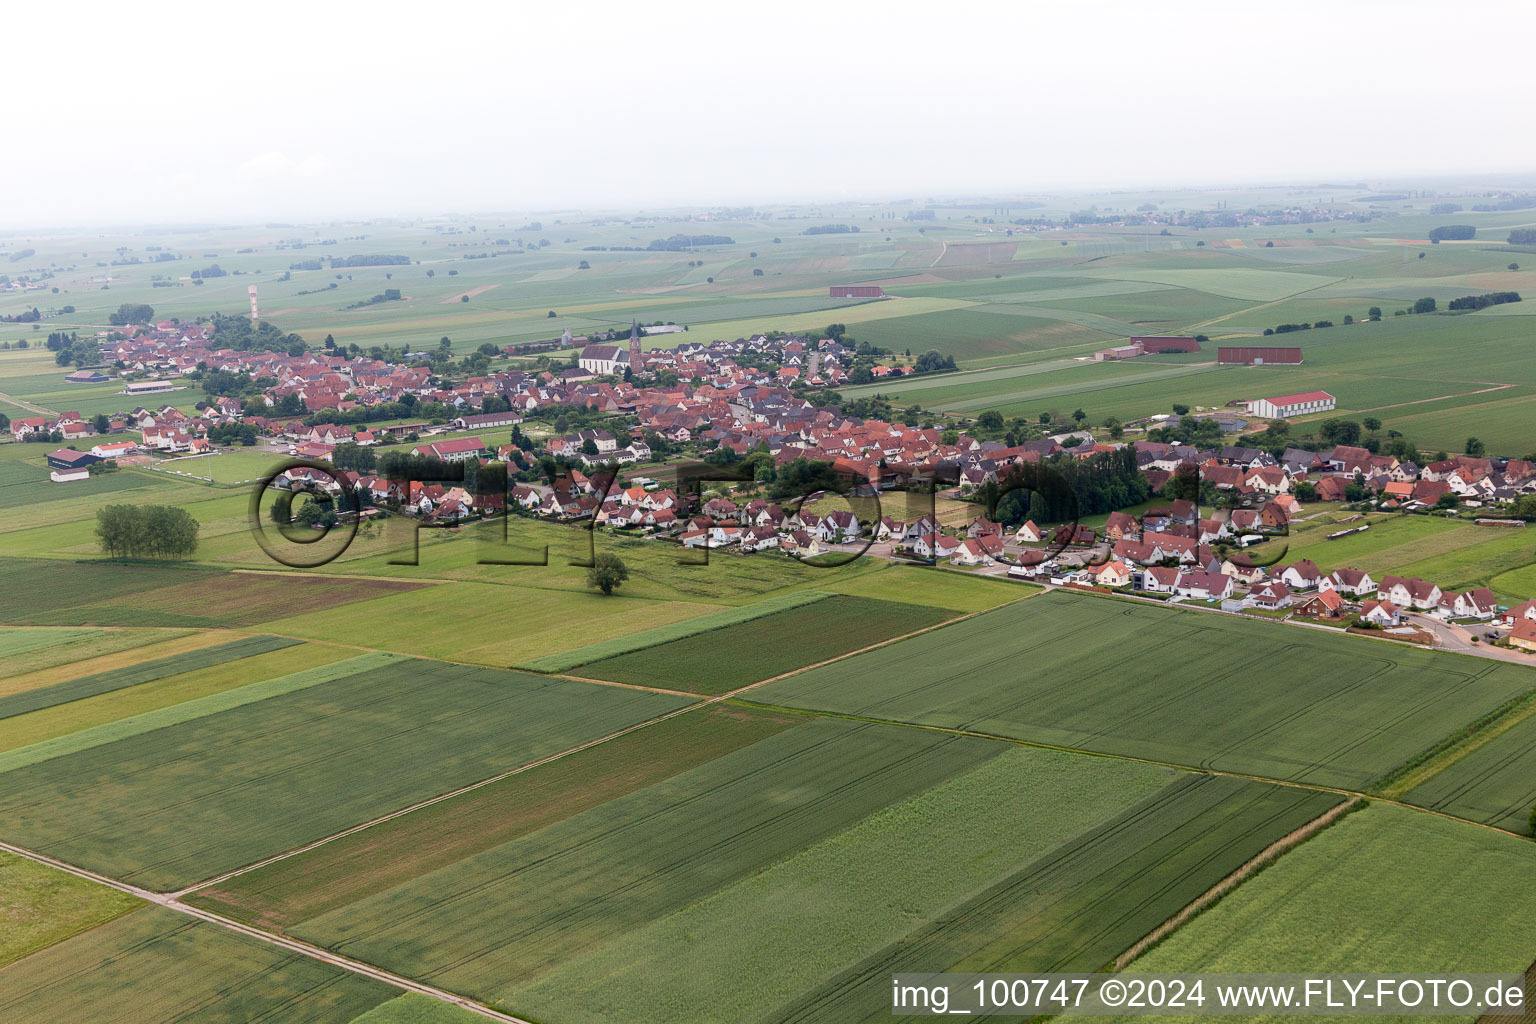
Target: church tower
634, 346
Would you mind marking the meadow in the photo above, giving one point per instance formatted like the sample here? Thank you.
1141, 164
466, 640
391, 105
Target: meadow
1329, 906
734, 656
1202, 689
43, 906
630, 642
179, 803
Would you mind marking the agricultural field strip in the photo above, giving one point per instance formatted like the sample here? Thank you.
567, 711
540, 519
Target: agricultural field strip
190, 710
828, 904
1205, 766
106, 682
702, 703
292, 945
177, 805
1329, 905
156, 965
1492, 776
396, 851
745, 652
1072, 909
568, 660
606, 870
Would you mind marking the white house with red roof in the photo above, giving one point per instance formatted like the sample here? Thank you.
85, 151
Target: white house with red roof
1285, 407
457, 450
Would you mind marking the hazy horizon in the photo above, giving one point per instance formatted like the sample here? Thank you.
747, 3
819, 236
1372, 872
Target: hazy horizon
188, 115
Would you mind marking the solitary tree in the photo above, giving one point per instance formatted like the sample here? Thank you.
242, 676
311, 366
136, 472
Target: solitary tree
1533, 821
608, 573
1371, 423
1475, 447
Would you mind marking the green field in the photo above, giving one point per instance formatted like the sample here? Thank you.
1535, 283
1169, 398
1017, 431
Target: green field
113, 708
183, 802
1494, 782
394, 852
171, 967
937, 588
487, 623
46, 592
146, 672
40, 905
618, 645
417, 1009
1333, 710
27, 483
32, 650
733, 656
1082, 904
830, 905
501, 917
1384, 886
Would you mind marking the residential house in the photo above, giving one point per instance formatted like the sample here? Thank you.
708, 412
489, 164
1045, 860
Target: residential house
1523, 636
1382, 613
1203, 586
1271, 595
1354, 582
1408, 592
1302, 574
1323, 604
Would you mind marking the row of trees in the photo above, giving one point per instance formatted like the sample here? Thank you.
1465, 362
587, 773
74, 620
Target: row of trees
1063, 489
1484, 300
146, 531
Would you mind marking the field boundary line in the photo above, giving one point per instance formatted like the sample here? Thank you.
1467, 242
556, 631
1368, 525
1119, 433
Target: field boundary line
419, 805
1252, 866
1195, 769
702, 702
1477, 735
292, 945
876, 646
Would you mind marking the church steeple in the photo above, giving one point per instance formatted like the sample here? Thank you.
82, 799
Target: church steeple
634, 345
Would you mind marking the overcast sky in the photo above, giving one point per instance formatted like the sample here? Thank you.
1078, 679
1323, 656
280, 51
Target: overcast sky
193, 111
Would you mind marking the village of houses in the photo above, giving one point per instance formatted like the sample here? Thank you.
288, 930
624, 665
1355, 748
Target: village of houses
743, 396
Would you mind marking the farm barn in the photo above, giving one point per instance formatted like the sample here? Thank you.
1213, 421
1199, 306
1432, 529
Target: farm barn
1287, 406
856, 291
1249, 355
1155, 346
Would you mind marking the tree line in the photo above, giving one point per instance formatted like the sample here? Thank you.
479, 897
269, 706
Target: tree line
146, 531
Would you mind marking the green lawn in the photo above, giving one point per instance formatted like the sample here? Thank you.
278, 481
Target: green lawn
1168, 684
